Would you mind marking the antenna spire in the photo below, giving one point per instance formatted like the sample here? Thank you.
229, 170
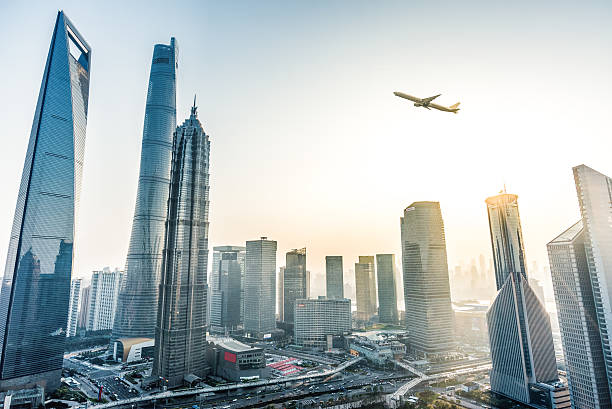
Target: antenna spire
194, 108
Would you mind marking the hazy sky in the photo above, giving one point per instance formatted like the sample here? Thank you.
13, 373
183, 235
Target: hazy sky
308, 144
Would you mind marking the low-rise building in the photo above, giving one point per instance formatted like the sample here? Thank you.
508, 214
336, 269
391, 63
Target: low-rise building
133, 349
376, 351
317, 321
233, 360
23, 399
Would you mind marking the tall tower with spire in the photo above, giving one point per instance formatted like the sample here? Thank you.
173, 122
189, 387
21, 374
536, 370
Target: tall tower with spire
180, 334
137, 303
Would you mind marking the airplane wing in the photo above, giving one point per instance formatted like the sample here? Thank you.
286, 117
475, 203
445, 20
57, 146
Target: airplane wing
406, 96
426, 100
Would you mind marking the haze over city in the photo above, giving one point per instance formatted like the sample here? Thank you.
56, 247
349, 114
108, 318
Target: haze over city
310, 147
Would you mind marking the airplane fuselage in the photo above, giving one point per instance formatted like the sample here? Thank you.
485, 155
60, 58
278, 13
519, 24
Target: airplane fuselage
426, 103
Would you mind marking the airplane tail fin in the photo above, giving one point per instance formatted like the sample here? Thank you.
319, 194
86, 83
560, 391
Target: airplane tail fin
455, 106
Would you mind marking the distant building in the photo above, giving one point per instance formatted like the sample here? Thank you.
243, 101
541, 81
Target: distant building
594, 197
429, 315
232, 360
471, 324
73, 307
334, 277
225, 288
520, 336
180, 333
260, 288
387, 297
537, 288
105, 286
365, 288
318, 320
584, 358
294, 282
279, 291
84, 307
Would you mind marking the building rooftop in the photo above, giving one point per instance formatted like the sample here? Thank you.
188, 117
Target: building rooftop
232, 345
568, 235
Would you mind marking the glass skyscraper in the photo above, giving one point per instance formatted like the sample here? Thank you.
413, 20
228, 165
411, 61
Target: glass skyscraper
225, 288
387, 297
136, 310
594, 191
180, 335
35, 291
294, 282
429, 315
365, 288
520, 336
584, 359
334, 279
260, 288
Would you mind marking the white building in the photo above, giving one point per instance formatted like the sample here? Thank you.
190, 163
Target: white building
105, 286
73, 307
317, 320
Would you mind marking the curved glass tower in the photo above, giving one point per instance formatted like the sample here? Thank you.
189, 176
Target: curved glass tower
36, 288
137, 306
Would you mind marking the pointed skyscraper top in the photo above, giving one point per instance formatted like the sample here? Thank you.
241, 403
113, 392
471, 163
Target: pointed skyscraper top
194, 108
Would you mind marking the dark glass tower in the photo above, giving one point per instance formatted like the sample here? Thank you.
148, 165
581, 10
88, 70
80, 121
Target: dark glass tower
294, 282
137, 306
180, 335
387, 297
334, 277
36, 288
520, 336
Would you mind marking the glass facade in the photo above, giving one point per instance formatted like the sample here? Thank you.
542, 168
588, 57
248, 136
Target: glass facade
35, 292
365, 288
180, 335
260, 287
136, 310
387, 297
334, 277
225, 288
584, 359
594, 191
429, 316
520, 335
294, 282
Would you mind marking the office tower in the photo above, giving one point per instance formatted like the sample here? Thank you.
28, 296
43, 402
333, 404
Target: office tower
260, 287
35, 291
294, 282
333, 277
595, 200
279, 291
584, 359
317, 320
180, 334
307, 284
138, 300
537, 288
225, 288
73, 307
84, 307
520, 337
387, 298
105, 287
365, 288
429, 316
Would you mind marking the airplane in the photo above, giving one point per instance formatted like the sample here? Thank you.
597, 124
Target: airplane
426, 102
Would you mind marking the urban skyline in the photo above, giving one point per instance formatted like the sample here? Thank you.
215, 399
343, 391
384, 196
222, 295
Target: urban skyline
528, 358
114, 219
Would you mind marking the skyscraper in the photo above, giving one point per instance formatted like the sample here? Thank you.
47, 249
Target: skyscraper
84, 307
73, 307
595, 200
35, 290
584, 359
365, 288
136, 312
387, 298
520, 337
279, 291
180, 335
226, 288
105, 287
429, 316
294, 282
260, 287
333, 277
